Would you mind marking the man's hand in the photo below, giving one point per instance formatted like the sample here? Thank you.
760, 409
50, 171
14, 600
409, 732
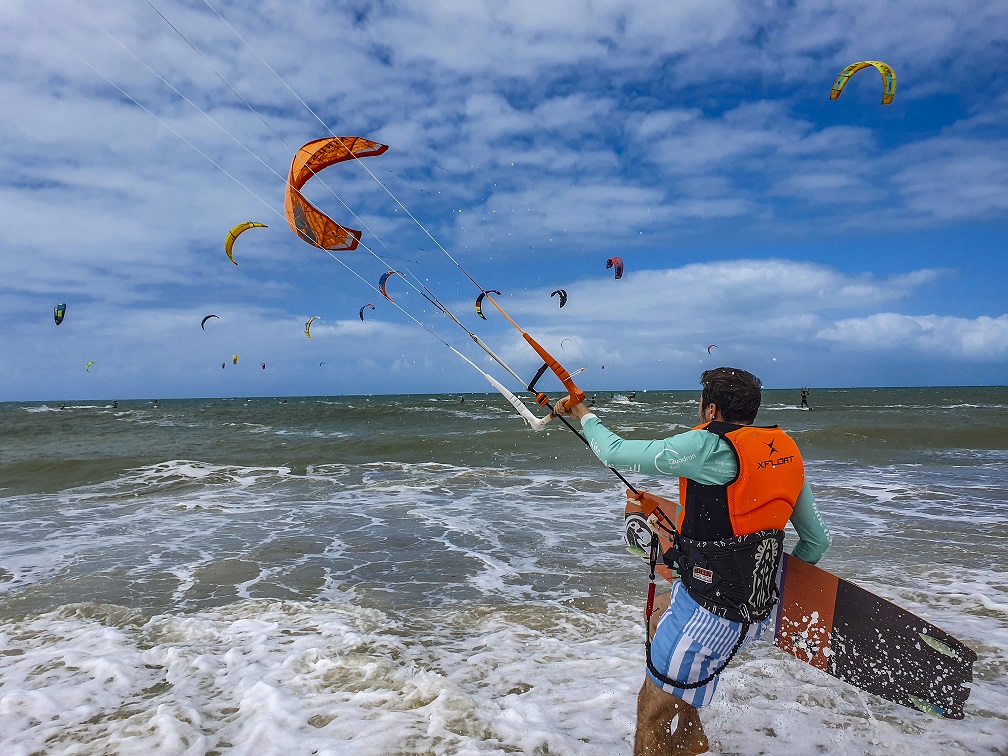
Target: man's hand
578, 411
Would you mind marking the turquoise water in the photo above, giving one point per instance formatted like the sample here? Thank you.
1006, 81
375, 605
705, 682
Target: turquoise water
424, 574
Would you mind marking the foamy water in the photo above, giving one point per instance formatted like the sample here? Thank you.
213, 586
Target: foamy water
486, 605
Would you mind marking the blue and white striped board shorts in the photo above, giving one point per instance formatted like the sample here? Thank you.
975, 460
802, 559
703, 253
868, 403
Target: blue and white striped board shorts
691, 642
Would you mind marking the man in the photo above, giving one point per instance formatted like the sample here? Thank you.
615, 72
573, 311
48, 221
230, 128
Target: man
739, 485
804, 398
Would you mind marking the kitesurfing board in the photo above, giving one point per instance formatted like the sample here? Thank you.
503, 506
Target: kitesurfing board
849, 633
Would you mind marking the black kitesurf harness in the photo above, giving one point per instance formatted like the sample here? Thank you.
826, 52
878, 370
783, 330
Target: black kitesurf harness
717, 576
649, 610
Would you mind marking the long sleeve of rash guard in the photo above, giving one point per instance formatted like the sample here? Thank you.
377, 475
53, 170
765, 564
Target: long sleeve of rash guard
705, 458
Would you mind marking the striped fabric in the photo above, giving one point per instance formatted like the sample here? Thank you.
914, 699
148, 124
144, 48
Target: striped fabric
691, 642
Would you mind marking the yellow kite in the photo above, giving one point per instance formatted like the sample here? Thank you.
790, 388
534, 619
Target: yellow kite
888, 79
237, 231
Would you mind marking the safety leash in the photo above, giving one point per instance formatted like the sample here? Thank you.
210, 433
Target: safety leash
649, 610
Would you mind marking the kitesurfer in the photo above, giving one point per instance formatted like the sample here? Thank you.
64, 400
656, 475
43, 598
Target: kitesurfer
739, 485
804, 398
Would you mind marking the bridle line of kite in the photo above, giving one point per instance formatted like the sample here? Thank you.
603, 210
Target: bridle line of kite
283, 217
363, 165
156, 117
431, 298
426, 293
550, 361
248, 105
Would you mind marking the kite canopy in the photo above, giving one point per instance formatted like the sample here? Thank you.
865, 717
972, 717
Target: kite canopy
59, 311
383, 280
563, 296
307, 221
237, 231
712, 346
307, 326
88, 366
203, 322
615, 262
888, 79
479, 301
364, 308
234, 359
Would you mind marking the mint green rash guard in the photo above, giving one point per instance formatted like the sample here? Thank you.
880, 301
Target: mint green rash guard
706, 458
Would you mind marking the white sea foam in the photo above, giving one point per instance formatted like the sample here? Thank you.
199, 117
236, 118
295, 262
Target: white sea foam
403, 607
268, 677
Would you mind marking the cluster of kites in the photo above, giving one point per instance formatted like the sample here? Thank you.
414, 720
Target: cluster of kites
319, 230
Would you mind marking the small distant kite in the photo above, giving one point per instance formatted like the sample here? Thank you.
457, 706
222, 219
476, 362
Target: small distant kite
307, 326
306, 220
364, 308
563, 296
562, 342
264, 366
59, 311
888, 79
382, 281
203, 323
234, 359
237, 231
617, 263
88, 366
712, 346
479, 301
222, 365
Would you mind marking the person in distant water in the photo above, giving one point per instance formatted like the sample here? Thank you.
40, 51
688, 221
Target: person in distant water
731, 517
62, 405
461, 400
804, 398
115, 404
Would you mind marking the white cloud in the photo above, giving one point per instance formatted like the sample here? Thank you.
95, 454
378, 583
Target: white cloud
983, 338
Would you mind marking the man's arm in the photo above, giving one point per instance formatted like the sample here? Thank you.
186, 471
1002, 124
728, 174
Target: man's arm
813, 537
695, 454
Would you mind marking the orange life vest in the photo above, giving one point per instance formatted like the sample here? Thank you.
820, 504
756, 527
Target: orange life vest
762, 495
730, 537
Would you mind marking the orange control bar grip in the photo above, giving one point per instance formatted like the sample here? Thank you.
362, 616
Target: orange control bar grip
577, 395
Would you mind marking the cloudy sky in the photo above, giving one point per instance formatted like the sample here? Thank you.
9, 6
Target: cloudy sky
815, 242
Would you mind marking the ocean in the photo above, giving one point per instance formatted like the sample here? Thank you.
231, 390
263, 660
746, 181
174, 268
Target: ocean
424, 574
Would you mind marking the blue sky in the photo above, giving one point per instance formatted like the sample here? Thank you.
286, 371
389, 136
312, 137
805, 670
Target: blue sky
816, 242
